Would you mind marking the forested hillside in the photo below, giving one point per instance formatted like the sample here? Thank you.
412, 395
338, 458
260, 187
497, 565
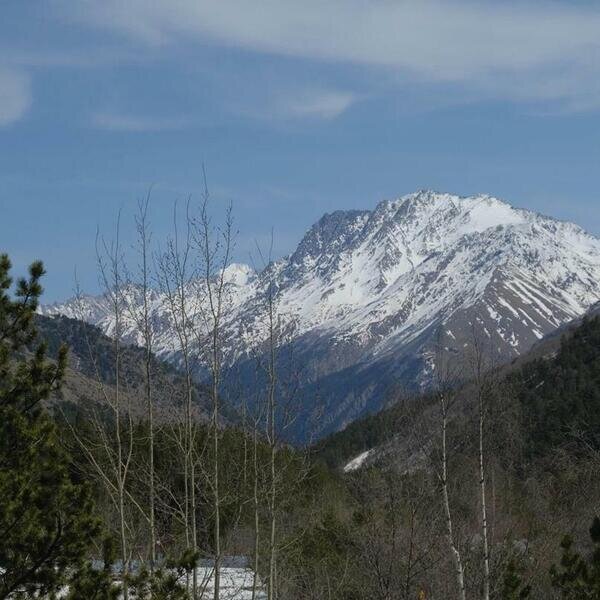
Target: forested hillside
533, 428
556, 389
560, 396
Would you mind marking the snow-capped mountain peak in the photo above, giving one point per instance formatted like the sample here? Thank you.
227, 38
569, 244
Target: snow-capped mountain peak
371, 289
238, 274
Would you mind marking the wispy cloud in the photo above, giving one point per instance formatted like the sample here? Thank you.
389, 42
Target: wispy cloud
15, 95
529, 46
314, 104
296, 103
135, 123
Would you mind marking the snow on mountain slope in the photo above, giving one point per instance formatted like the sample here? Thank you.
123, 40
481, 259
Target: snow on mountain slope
376, 287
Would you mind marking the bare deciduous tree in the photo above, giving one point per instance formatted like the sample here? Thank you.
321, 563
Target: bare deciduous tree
446, 398
214, 246
176, 276
111, 451
140, 313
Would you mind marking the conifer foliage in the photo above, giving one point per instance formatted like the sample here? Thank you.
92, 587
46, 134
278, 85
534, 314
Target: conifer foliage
578, 578
46, 522
513, 587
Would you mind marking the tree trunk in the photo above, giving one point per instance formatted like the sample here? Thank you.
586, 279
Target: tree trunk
217, 498
256, 513
484, 525
271, 592
454, 552
146, 330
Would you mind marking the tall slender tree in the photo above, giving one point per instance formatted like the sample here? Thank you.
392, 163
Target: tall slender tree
176, 275
140, 312
214, 246
482, 374
109, 447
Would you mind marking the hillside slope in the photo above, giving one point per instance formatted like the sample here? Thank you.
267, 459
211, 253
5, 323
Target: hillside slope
553, 393
91, 366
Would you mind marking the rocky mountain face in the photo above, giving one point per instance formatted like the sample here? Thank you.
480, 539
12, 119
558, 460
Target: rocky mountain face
368, 298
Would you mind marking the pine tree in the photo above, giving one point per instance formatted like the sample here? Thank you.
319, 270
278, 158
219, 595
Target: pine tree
512, 583
46, 522
578, 578
95, 582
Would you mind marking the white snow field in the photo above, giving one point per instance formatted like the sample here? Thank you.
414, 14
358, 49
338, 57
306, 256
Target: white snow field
236, 583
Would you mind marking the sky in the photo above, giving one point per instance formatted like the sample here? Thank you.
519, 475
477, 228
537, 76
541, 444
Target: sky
294, 109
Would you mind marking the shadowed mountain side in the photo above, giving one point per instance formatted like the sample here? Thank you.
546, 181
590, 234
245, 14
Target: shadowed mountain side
91, 371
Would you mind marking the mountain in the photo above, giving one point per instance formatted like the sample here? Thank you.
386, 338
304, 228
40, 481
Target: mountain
550, 394
91, 368
368, 296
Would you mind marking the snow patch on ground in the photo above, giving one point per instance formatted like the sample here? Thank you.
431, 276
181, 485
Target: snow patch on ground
357, 462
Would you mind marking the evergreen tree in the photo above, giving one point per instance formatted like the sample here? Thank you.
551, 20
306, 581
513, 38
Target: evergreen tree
512, 583
561, 395
46, 522
578, 578
164, 584
95, 582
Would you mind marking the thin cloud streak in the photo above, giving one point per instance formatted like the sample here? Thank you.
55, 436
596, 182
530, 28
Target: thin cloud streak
318, 104
293, 104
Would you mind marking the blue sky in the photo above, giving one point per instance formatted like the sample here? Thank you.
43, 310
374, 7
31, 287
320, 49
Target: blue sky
296, 109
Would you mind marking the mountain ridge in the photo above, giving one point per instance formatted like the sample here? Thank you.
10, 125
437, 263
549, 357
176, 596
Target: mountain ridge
368, 296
